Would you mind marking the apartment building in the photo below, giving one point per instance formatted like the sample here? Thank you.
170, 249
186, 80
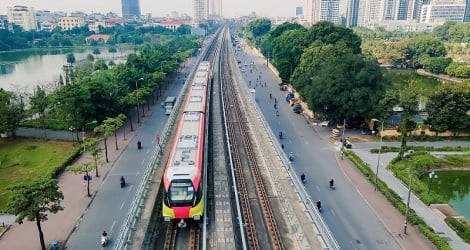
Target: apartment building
69, 22
23, 16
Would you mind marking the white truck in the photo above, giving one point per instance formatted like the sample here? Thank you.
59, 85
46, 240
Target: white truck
168, 104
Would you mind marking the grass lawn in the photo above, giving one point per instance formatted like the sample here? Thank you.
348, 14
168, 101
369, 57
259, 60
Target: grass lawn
22, 159
401, 78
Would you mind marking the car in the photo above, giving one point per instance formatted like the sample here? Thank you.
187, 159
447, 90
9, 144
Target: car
324, 123
246, 64
297, 108
243, 69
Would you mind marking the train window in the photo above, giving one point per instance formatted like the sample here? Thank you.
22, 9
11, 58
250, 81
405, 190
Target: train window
181, 193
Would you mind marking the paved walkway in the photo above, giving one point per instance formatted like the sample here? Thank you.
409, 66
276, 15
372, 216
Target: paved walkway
59, 226
433, 217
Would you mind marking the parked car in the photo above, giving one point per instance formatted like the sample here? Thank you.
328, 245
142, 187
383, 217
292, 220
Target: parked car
297, 108
325, 123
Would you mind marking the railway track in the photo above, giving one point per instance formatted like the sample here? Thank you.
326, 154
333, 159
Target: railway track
248, 174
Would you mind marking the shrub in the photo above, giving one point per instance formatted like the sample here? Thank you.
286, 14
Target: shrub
462, 228
396, 201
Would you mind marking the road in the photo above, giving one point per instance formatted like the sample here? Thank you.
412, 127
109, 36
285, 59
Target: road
351, 220
111, 204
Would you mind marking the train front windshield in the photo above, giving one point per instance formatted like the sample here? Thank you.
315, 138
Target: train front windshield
181, 193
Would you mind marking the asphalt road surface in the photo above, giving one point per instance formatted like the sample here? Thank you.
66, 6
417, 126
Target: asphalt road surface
350, 219
112, 203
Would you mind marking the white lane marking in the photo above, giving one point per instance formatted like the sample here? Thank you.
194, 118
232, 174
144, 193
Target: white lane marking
352, 244
122, 205
130, 188
112, 225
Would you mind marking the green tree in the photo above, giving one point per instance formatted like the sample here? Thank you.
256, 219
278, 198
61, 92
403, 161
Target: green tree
287, 49
417, 48
328, 33
70, 58
12, 111
39, 103
34, 201
448, 108
336, 81
436, 65
458, 69
106, 128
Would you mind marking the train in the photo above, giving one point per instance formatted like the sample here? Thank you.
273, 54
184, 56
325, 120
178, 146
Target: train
183, 195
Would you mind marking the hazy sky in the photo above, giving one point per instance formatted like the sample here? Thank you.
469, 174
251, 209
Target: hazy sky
230, 8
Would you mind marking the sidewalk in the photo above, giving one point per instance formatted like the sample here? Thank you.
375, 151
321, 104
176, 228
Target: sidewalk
433, 218
59, 226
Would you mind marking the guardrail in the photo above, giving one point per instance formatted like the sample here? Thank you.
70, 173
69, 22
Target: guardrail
128, 226
324, 231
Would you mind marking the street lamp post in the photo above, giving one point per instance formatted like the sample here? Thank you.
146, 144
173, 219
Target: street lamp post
86, 177
138, 106
405, 225
432, 175
380, 151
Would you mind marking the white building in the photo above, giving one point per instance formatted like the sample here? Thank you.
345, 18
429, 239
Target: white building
22, 16
443, 10
69, 22
200, 10
322, 10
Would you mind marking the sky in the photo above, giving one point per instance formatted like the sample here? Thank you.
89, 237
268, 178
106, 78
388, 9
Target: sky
230, 8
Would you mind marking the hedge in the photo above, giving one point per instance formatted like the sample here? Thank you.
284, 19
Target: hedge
397, 202
462, 228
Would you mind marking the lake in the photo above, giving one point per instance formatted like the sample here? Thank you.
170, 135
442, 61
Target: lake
453, 186
24, 70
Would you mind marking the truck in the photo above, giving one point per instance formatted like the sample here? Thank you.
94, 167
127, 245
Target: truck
168, 104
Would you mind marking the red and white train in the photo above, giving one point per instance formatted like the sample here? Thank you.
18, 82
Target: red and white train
183, 196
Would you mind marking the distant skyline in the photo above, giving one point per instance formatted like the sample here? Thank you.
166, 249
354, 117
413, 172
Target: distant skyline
230, 8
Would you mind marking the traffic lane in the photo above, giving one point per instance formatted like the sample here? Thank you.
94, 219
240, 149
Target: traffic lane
111, 204
349, 217
349, 227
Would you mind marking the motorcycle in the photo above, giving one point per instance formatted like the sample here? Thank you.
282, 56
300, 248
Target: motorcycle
332, 184
280, 135
139, 145
291, 156
319, 206
104, 239
123, 182
302, 178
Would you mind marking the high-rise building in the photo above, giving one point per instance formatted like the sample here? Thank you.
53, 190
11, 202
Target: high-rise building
200, 10
130, 9
443, 10
466, 16
322, 10
22, 16
216, 8
352, 13
299, 11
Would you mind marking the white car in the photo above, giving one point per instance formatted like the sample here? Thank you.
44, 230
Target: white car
324, 123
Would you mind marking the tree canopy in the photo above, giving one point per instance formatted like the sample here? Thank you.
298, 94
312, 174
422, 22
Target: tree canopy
337, 82
34, 201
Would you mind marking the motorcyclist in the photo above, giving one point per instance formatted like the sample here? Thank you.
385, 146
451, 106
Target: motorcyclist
104, 238
280, 135
123, 181
302, 177
291, 156
139, 145
332, 183
319, 205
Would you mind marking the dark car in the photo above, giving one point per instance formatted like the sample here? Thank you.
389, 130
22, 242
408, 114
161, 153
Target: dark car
297, 108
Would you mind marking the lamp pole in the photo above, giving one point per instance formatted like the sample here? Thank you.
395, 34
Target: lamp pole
86, 177
138, 105
432, 175
380, 151
405, 225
